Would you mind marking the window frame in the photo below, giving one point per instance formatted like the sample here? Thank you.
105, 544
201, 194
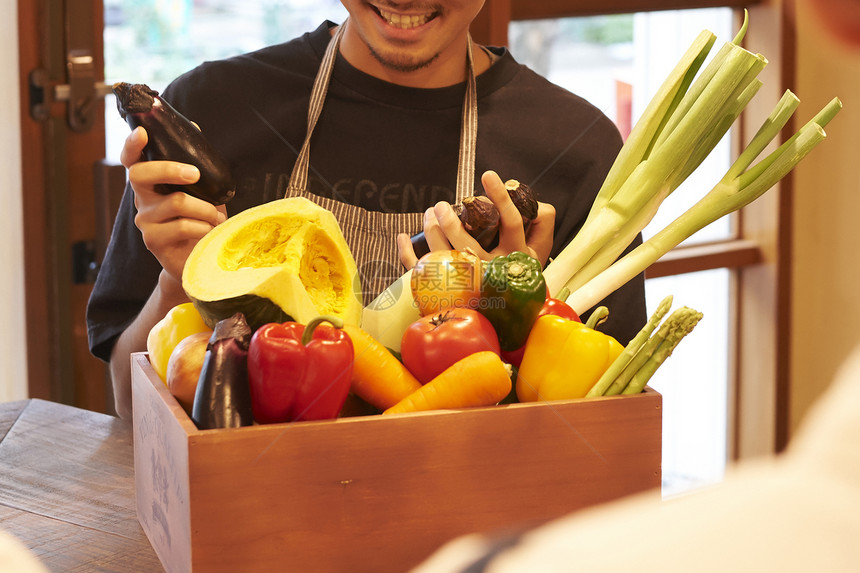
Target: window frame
759, 254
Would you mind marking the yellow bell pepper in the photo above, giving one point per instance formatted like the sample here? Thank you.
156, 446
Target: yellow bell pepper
180, 321
563, 359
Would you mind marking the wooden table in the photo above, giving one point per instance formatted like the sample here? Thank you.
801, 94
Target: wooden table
67, 488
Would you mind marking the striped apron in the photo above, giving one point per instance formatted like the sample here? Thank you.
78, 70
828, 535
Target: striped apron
371, 234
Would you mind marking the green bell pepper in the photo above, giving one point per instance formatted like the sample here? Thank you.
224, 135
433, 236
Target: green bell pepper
513, 292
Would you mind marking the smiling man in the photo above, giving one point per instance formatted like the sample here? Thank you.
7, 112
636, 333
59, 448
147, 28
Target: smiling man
416, 44
387, 120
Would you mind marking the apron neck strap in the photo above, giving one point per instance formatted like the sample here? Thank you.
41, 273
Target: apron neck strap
299, 176
468, 127
468, 130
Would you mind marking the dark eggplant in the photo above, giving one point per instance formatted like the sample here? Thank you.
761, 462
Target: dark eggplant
481, 218
174, 137
524, 200
223, 396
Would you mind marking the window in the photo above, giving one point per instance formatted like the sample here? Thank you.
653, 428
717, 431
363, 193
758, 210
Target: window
154, 41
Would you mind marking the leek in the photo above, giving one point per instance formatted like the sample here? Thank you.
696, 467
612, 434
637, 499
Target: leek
662, 151
610, 251
728, 195
658, 110
682, 124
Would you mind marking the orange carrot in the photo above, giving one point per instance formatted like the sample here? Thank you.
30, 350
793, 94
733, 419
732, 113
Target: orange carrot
378, 377
479, 379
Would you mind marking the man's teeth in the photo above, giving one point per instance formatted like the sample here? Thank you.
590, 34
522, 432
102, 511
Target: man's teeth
404, 21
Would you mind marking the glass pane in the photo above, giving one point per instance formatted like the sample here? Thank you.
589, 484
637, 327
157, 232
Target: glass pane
694, 382
617, 62
153, 41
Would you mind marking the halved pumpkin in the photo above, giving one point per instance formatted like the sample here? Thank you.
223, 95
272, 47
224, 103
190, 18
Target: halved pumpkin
282, 260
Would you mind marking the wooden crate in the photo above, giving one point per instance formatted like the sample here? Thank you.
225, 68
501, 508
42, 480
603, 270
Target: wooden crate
376, 493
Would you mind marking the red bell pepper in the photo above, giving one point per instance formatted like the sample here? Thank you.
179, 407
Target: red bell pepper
299, 372
551, 306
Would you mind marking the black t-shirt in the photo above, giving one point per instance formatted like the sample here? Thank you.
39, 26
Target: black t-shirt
377, 145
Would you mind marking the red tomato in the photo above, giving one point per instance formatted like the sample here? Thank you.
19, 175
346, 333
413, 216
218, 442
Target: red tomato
434, 342
442, 280
560, 308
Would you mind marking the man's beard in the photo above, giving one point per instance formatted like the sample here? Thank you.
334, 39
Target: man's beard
402, 64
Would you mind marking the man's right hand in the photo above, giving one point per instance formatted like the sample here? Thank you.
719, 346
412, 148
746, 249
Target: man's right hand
170, 224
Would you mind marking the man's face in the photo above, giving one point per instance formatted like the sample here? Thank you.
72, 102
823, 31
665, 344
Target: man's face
404, 41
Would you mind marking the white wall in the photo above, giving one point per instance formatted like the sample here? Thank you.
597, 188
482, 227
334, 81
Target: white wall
13, 350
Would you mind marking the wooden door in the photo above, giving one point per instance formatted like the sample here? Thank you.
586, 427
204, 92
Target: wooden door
61, 58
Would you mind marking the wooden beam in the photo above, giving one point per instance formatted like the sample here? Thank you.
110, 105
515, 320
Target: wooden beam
490, 28
706, 256
531, 10
762, 344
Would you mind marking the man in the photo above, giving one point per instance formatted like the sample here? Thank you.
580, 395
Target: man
387, 120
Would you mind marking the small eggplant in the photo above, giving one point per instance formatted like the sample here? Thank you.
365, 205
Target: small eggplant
524, 200
223, 395
481, 218
174, 137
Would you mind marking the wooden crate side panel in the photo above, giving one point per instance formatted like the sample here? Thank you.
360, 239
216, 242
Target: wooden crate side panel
382, 493
161, 467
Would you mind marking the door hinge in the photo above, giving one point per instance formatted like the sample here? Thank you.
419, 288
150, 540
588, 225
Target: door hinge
80, 93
